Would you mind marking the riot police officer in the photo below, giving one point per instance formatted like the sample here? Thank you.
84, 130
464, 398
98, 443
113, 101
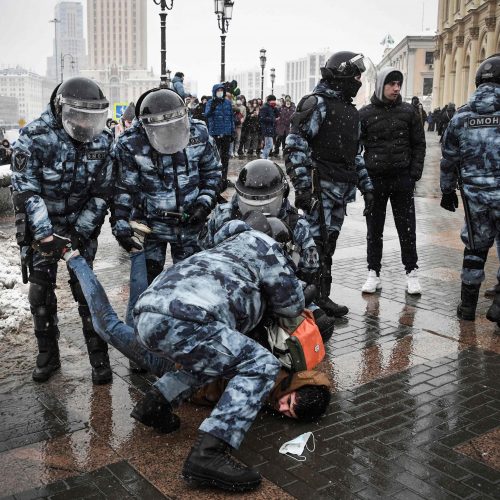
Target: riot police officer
169, 171
320, 158
470, 157
61, 177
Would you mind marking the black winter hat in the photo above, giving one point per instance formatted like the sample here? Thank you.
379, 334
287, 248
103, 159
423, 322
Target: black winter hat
394, 76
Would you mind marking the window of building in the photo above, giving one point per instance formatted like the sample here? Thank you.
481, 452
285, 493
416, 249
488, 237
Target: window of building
427, 87
429, 58
312, 65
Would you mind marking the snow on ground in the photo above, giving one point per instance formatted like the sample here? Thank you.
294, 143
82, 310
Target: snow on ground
14, 305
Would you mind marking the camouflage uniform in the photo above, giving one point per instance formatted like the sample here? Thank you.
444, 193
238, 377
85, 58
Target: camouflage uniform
303, 242
309, 142
155, 183
472, 143
205, 332
66, 188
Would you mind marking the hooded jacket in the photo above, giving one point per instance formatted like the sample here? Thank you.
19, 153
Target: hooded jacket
219, 113
178, 86
392, 135
285, 383
472, 143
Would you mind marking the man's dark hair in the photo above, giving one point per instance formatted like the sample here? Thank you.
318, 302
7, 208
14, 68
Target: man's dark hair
311, 401
179, 74
270, 97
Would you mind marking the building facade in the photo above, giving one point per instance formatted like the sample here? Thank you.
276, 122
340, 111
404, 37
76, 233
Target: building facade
468, 32
302, 75
9, 112
249, 82
31, 90
414, 57
117, 34
69, 54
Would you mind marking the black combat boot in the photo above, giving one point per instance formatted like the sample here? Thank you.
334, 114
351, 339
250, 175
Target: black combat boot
326, 303
493, 313
98, 357
467, 307
47, 361
153, 410
325, 324
210, 464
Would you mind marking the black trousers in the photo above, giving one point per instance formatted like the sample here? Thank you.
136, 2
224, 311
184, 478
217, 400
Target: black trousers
279, 141
223, 142
398, 189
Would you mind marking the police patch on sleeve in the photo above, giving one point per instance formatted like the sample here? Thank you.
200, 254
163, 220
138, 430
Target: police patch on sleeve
483, 121
20, 161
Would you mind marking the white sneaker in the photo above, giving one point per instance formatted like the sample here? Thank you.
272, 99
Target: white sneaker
412, 284
373, 283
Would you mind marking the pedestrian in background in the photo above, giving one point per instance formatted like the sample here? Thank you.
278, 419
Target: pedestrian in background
267, 122
283, 123
178, 85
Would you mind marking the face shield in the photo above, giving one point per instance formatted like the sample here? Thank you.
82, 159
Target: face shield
267, 205
355, 65
82, 120
168, 133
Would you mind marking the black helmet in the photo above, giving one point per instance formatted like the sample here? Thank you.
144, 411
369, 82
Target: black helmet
343, 64
489, 70
258, 221
164, 116
261, 186
80, 106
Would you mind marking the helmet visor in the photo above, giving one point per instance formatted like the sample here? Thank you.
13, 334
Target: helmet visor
269, 206
83, 124
167, 133
355, 64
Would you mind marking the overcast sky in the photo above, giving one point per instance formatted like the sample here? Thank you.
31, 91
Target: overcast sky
287, 29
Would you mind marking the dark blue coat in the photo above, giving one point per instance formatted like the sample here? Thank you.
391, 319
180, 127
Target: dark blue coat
267, 120
220, 118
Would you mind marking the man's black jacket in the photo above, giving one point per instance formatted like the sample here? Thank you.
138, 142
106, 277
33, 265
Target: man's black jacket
393, 138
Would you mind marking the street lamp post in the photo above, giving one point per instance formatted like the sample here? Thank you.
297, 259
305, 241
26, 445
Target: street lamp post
224, 11
273, 76
55, 21
62, 64
263, 60
165, 5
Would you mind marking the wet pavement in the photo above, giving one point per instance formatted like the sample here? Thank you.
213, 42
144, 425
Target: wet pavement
415, 410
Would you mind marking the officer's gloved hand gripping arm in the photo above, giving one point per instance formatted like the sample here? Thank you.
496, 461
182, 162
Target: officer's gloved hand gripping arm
27, 167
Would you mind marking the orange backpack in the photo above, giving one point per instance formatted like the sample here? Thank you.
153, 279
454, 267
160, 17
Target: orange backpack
296, 342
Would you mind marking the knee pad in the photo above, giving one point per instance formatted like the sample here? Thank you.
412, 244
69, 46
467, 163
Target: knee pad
475, 259
154, 268
43, 301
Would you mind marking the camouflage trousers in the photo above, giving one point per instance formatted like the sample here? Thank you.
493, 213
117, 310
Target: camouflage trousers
206, 351
485, 222
334, 217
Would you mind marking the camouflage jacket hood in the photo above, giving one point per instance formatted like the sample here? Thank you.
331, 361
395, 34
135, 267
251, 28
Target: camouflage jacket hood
486, 99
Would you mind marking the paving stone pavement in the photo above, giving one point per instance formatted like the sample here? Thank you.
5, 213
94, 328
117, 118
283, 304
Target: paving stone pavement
412, 387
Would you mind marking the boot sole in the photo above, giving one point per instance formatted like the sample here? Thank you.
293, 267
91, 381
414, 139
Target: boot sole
377, 289
201, 481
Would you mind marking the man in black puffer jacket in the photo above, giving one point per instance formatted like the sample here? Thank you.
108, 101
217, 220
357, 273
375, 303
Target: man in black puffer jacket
394, 150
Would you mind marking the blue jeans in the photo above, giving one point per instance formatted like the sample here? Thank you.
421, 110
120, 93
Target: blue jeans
268, 146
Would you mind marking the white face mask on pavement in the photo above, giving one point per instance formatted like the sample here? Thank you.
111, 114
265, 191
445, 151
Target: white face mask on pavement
296, 446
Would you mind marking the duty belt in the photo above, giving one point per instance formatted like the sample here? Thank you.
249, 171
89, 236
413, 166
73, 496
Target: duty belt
176, 217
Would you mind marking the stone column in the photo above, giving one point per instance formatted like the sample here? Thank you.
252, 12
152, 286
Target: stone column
447, 91
436, 87
410, 76
474, 54
457, 91
491, 24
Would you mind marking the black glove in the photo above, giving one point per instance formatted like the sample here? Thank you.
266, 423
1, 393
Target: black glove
449, 201
303, 200
198, 214
369, 202
78, 241
127, 243
54, 249
214, 104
